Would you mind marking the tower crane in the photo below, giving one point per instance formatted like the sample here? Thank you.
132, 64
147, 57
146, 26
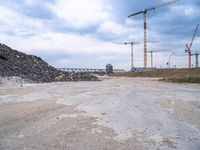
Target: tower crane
134, 43
131, 43
144, 12
196, 58
153, 51
189, 47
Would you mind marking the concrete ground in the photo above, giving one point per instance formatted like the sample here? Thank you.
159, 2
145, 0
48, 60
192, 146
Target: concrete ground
113, 114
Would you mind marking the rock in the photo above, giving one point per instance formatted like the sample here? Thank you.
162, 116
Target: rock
34, 69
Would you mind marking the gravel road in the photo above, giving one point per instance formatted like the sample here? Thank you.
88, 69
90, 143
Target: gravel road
113, 114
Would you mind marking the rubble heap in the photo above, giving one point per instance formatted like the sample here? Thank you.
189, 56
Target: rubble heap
33, 68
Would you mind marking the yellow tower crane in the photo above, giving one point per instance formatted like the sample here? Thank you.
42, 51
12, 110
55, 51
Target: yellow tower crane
144, 12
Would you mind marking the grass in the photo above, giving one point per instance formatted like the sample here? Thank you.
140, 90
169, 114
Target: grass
184, 80
191, 75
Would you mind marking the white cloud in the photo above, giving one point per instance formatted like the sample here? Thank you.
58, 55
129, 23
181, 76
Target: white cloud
188, 11
7, 15
70, 43
111, 27
81, 14
18, 23
31, 2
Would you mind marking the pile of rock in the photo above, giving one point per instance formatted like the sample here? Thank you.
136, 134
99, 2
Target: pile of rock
33, 68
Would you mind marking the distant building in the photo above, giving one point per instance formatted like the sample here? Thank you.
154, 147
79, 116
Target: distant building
109, 69
142, 69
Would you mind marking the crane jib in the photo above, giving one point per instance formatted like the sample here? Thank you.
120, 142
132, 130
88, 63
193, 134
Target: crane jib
153, 8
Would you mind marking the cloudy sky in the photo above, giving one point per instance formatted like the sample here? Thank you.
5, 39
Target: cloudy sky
91, 33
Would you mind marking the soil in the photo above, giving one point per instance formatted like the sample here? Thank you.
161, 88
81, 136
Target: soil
112, 114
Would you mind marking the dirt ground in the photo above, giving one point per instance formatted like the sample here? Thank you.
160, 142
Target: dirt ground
113, 114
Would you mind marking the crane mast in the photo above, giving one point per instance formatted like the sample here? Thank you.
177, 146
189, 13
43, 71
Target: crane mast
189, 47
196, 58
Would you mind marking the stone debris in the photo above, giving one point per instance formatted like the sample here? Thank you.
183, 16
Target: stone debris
33, 69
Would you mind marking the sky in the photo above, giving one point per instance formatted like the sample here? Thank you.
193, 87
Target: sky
91, 33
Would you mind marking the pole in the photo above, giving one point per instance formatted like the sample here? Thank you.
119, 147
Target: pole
145, 39
151, 59
197, 60
189, 59
169, 61
132, 62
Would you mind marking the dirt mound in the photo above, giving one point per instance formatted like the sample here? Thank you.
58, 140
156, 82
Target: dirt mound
33, 68
164, 73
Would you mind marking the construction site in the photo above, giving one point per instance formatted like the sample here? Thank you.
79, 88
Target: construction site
149, 102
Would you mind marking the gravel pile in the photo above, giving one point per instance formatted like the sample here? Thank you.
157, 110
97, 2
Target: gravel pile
34, 69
